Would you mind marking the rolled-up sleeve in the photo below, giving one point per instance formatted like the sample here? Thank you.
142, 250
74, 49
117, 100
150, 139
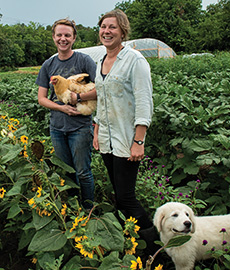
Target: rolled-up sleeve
142, 87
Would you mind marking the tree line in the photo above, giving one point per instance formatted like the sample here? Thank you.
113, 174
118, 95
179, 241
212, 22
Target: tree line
181, 24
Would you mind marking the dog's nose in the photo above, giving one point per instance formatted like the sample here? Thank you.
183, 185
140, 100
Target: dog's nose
187, 224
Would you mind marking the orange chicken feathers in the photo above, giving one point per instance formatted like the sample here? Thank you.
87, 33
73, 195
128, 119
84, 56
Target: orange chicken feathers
63, 88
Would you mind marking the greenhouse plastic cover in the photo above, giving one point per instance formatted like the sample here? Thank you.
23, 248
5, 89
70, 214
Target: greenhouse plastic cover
149, 47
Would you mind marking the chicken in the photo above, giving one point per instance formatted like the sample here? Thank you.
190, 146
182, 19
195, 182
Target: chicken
63, 88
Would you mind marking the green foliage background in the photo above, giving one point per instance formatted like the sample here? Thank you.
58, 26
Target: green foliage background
188, 151
187, 145
183, 25
189, 133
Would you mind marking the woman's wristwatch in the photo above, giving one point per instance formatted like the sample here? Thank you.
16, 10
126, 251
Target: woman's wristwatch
139, 142
79, 98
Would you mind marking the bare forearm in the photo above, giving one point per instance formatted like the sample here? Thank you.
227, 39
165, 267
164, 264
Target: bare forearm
45, 102
140, 132
91, 95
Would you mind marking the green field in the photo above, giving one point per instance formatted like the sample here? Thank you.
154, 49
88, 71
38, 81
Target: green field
187, 141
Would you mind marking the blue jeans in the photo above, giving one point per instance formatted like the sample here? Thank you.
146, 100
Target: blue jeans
74, 148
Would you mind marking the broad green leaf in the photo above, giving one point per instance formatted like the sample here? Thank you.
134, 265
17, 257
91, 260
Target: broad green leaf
121, 215
109, 230
191, 169
44, 258
176, 141
214, 200
111, 262
159, 99
178, 241
227, 256
226, 163
227, 261
25, 238
28, 225
127, 260
57, 161
187, 103
73, 264
20, 168
216, 267
49, 238
16, 189
14, 211
199, 145
12, 153
208, 159
40, 222
224, 140
55, 180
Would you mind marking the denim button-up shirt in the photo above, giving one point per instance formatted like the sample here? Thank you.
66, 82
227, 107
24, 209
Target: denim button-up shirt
124, 100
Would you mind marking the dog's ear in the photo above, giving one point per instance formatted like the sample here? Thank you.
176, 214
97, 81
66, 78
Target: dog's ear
192, 218
158, 219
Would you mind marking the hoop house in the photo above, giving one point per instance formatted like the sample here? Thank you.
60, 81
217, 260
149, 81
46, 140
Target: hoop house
149, 47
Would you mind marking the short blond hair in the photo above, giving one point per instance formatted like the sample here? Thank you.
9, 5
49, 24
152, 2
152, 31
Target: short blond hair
122, 20
65, 22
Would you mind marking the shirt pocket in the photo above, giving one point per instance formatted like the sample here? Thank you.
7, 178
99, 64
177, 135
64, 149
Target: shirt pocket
116, 85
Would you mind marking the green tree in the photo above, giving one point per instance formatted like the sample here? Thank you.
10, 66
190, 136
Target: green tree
170, 21
214, 30
24, 45
86, 37
11, 54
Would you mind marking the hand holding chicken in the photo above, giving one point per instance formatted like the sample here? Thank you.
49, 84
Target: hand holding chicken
63, 88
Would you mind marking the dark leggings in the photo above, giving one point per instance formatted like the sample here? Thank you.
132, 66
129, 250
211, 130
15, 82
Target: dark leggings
123, 174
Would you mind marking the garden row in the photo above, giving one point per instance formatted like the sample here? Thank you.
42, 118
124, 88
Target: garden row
187, 159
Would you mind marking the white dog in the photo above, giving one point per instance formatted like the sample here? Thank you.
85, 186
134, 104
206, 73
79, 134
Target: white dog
175, 218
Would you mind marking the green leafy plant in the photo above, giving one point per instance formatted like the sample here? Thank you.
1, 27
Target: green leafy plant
52, 226
188, 161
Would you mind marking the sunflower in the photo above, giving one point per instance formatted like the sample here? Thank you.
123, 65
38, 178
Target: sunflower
2, 192
34, 260
79, 220
136, 265
85, 247
15, 121
24, 152
31, 202
159, 267
130, 246
63, 210
39, 192
44, 210
130, 226
24, 139
12, 128
62, 182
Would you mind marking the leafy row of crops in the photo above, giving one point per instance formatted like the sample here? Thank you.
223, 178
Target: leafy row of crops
191, 125
187, 160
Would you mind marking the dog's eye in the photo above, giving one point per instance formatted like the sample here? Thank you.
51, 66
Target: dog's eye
175, 215
187, 214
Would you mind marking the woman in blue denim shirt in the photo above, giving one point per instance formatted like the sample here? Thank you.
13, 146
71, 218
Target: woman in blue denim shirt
124, 112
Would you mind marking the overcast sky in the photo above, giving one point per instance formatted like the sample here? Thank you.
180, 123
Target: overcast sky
45, 12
